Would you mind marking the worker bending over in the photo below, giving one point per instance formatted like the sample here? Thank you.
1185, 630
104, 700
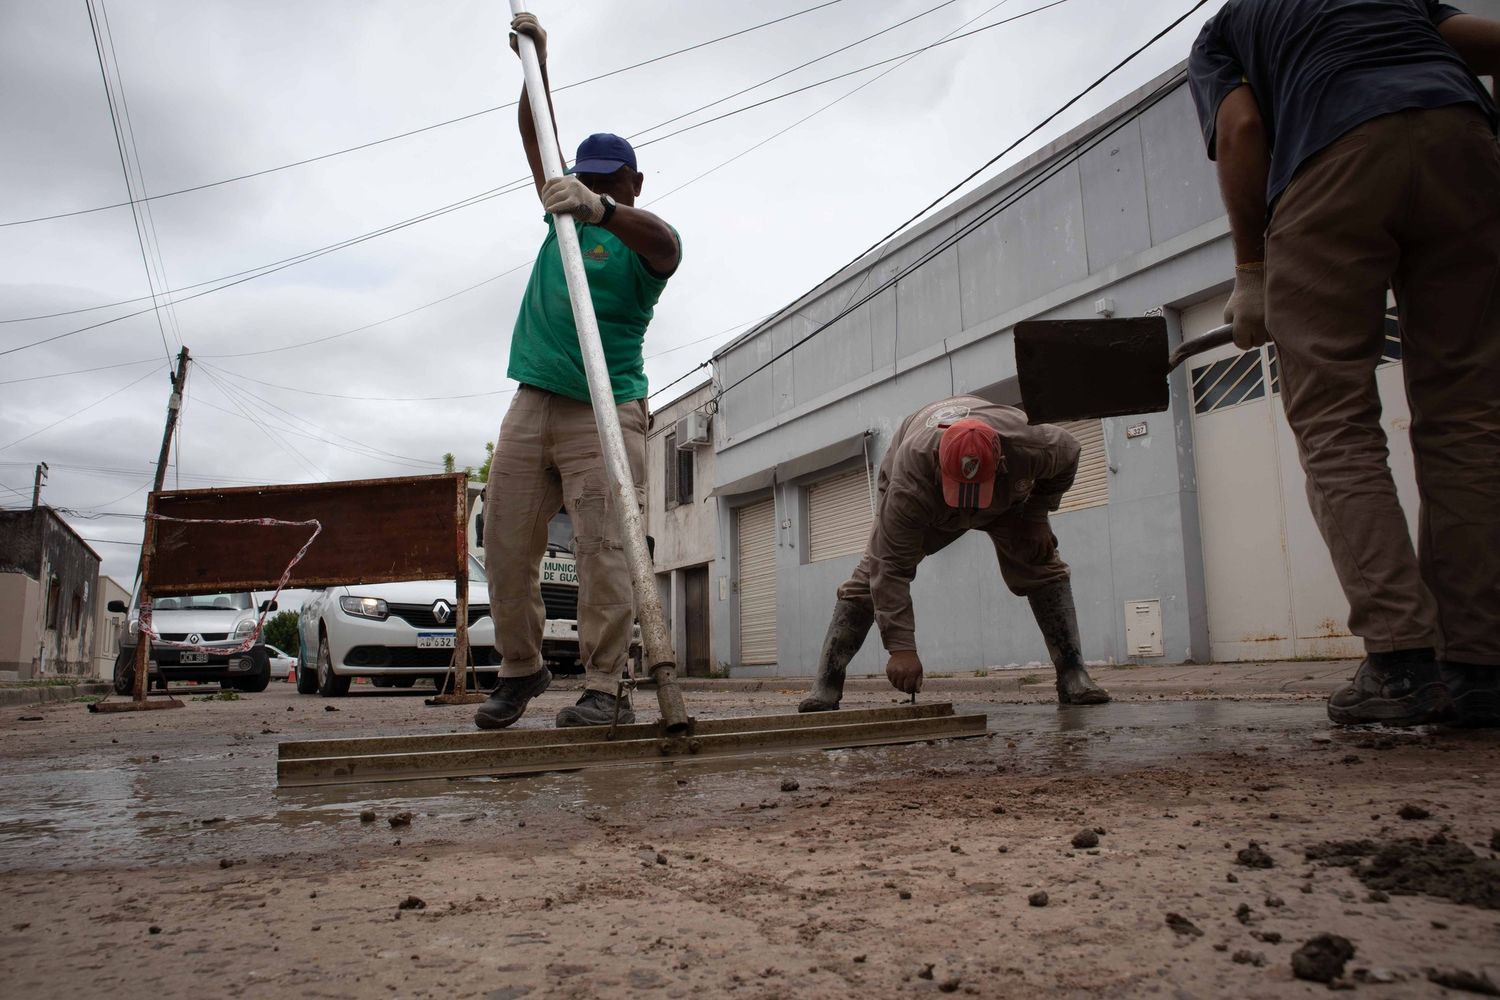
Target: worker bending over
548, 454
1356, 151
956, 465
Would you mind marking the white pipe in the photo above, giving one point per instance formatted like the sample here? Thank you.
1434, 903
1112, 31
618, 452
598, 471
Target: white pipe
654, 634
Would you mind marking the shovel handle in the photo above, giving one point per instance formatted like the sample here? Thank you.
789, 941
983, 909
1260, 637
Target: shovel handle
1217, 337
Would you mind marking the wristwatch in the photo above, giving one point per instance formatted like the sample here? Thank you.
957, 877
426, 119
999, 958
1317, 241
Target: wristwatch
609, 209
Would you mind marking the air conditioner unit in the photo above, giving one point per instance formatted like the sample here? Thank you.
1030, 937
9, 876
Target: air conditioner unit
693, 431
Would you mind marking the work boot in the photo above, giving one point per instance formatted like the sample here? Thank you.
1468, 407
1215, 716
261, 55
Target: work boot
596, 708
510, 698
1475, 690
846, 633
1401, 688
1052, 606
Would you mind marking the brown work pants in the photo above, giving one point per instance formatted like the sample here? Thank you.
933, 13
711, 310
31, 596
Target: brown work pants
1410, 200
548, 457
1024, 569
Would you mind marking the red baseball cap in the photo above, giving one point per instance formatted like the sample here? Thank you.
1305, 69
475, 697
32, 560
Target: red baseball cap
968, 457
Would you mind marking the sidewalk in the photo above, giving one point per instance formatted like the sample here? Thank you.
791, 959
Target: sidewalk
1248, 679
46, 694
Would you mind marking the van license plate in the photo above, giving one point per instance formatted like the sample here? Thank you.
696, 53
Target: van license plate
192, 657
434, 640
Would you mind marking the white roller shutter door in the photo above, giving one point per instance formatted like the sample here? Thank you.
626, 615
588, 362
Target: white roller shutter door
755, 554
1091, 485
838, 516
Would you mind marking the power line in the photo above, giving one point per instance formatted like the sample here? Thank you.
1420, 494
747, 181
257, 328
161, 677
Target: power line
1102, 133
518, 184
114, 120
87, 470
28, 437
276, 410
930, 205
271, 435
425, 128
77, 371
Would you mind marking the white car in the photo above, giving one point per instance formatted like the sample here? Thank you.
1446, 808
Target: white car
215, 623
281, 663
392, 633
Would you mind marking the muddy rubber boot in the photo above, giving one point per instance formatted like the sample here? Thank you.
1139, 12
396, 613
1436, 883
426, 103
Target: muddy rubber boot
846, 633
1475, 691
1399, 688
1052, 606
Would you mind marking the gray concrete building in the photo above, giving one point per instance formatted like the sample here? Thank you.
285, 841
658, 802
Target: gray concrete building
681, 517
1188, 532
49, 593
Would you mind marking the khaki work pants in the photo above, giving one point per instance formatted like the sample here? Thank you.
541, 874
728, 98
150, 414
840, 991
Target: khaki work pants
548, 457
1410, 200
1023, 569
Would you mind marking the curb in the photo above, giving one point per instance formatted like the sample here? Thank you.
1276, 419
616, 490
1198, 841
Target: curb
50, 693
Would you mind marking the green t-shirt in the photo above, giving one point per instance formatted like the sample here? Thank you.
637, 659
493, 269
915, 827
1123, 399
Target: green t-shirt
544, 347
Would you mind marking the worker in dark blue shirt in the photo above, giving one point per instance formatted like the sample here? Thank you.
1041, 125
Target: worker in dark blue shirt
1356, 152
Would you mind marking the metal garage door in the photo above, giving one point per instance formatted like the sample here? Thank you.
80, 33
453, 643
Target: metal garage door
1091, 484
755, 559
838, 516
1272, 591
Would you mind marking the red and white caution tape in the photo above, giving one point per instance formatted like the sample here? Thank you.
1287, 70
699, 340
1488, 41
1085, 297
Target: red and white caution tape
250, 640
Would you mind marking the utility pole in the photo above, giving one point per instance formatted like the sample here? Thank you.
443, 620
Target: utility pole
36, 485
174, 406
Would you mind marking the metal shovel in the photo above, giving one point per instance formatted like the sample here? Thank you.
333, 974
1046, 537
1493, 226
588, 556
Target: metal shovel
1077, 369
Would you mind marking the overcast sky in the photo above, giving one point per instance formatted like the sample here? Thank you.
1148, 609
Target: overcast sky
217, 89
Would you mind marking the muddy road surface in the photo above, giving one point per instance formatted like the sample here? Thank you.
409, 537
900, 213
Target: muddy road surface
1175, 843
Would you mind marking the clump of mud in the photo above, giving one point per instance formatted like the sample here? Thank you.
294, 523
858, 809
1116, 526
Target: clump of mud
1434, 867
1322, 959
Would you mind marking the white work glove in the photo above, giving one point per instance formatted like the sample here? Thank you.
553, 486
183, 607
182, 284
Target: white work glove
1246, 309
527, 24
571, 196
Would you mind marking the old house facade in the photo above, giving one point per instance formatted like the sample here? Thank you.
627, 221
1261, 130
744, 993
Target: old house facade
49, 593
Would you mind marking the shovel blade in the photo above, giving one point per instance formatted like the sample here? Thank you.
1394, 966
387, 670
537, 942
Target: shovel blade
1077, 369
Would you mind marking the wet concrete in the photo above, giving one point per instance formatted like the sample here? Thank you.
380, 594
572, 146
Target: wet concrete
196, 796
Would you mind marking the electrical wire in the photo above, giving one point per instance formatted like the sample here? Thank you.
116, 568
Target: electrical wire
101, 399
270, 434
280, 412
85, 470
135, 218
425, 128
77, 371
519, 184
930, 205
1032, 184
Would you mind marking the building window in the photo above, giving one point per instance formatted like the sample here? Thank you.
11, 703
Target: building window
685, 476
678, 466
669, 467
54, 603
75, 613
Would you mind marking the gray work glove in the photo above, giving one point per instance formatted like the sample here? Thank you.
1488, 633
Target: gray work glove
1246, 309
527, 24
570, 195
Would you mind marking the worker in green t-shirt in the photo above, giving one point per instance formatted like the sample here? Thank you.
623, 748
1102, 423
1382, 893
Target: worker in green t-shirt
548, 454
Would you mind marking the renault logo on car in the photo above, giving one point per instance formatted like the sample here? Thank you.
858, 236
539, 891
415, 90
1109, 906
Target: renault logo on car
194, 639
441, 612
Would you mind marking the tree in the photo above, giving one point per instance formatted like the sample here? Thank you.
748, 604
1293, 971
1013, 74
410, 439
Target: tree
450, 464
281, 631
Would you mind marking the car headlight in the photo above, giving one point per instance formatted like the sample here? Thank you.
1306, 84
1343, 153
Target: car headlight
365, 607
244, 628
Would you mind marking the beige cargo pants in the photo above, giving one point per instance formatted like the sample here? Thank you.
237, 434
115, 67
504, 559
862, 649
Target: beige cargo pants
548, 457
1410, 200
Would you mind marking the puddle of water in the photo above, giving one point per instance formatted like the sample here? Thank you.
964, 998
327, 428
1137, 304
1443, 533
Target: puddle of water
144, 811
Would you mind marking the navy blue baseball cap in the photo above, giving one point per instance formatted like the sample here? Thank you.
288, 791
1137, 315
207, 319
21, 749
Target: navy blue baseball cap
603, 153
